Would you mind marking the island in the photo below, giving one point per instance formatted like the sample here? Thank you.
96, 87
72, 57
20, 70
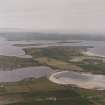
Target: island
41, 91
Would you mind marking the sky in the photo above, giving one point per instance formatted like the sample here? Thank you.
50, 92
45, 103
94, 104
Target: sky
54, 15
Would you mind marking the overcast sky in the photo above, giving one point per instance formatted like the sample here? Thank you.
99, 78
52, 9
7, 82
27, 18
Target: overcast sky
55, 15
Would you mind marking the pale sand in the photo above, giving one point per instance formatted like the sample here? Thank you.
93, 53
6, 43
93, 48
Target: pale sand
95, 81
88, 53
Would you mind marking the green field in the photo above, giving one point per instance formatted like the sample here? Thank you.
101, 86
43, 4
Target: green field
11, 62
43, 92
63, 58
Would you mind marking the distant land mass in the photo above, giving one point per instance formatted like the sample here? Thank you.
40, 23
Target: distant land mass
19, 34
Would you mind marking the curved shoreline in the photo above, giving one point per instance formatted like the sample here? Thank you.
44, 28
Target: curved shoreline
54, 80
88, 53
96, 82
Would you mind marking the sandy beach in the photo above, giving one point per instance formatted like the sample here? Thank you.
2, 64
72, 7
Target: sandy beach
88, 53
94, 82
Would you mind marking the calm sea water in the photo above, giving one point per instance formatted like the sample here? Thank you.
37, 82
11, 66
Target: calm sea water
7, 48
24, 73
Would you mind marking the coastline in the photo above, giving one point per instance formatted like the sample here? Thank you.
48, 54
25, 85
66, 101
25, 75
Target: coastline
95, 83
88, 53
54, 80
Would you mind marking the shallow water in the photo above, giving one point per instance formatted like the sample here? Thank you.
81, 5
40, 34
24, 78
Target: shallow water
24, 73
8, 48
82, 80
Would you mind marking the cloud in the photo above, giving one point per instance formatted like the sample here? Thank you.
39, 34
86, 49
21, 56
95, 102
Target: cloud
58, 15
